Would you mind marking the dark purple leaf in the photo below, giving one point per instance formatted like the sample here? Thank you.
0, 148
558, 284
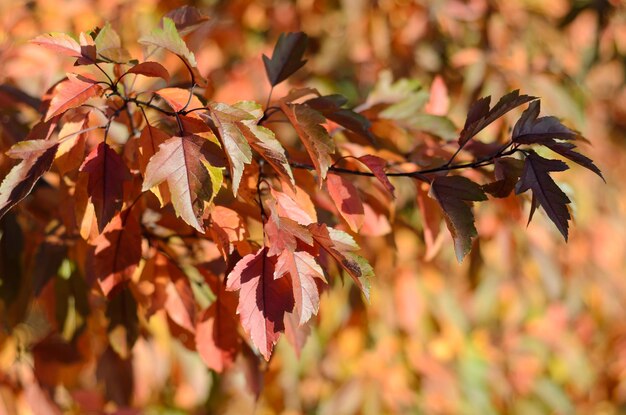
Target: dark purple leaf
455, 194
480, 116
536, 177
286, 58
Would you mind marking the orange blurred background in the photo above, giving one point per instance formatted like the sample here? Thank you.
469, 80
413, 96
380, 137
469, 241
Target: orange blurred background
527, 324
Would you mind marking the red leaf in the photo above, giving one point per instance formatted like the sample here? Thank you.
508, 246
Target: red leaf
347, 200
179, 302
179, 99
330, 107
149, 141
281, 233
71, 93
341, 247
118, 251
151, 69
303, 269
217, 339
37, 157
107, 173
263, 300
193, 173
227, 229
377, 166
316, 140
60, 43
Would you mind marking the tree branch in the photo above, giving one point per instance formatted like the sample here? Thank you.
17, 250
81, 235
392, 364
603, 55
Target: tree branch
419, 174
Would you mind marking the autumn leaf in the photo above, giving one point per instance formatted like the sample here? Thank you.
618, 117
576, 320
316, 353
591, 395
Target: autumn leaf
263, 140
263, 300
123, 329
179, 301
169, 38
330, 107
286, 58
532, 129
187, 19
193, 175
238, 151
217, 339
12, 240
88, 50
71, 152
341, 246
377, 167
107, 173
149, 141
152, 70
282, 233
455, 194
507, 171
118, 251
71, 93
227, 229
59, 43
536, 177
48, 259
303, 270
36, 157
109, 45
567, 150
179, 99
316, 140
480, 115
296, 333
347, 200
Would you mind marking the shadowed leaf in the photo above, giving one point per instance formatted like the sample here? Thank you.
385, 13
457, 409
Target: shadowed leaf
316, 140
480, 116
546, 193
455, 194
107, 173
286, 58
263, 300
118, 251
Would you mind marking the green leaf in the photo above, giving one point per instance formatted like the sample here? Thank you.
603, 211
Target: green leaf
109, 45
168, 38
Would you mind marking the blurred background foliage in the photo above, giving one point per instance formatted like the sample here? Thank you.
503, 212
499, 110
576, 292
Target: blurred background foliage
525, 325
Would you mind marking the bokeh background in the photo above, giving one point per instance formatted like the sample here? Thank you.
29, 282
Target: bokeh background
527, 324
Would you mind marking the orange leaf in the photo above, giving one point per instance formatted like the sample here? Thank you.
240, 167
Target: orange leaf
71, 93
